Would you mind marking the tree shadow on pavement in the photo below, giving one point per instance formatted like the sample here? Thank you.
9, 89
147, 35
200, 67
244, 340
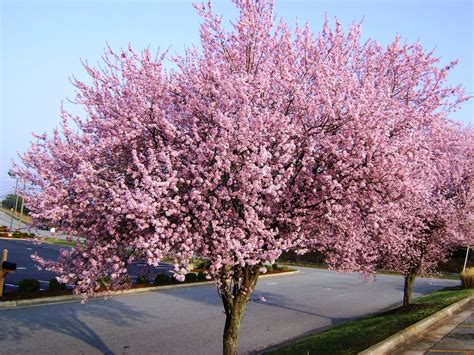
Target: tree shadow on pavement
72, 319
202, 294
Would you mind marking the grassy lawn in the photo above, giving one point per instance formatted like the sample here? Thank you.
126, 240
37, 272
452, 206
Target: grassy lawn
357, 335
59, 241
449, 276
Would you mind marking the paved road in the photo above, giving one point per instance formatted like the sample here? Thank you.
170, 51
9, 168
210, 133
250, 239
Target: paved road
5, 220
190, 320
19, 252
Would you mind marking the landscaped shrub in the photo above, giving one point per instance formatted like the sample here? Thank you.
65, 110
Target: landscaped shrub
126, 280
29, 285
190, 277
104, 281
268, 267
202, 264
201, 276
142, 280
162, 279
276, 267
467, 278
3, 229
20, 235
56, 285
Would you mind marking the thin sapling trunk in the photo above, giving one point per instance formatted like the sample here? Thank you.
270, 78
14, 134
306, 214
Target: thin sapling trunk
408, 287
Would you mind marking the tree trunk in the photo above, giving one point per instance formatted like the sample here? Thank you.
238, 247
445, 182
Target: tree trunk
234, 298
408, 288
232, 327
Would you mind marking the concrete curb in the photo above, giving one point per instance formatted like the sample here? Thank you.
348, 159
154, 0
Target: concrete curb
396, 341
11, 238
72, 298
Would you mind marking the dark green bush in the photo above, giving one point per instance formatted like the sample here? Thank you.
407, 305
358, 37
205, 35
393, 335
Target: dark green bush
104, 281
162, 279
20, 235
29, 285
201, 276
142, 280
202, 264
56, 285
276, 267
190, 277
269, 268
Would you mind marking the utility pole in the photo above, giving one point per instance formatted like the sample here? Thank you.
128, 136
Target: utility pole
16, 203
22, 205
465, 260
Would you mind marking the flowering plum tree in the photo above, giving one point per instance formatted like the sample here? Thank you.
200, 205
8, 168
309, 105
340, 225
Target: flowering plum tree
261, 141
436, 209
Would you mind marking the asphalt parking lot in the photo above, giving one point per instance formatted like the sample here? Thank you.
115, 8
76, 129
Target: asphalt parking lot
190, 320
20, 251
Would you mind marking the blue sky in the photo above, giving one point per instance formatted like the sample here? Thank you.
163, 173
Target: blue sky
42, 43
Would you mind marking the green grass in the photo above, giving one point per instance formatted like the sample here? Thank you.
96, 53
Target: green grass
59, 241
448, 276
303, 264
354, 336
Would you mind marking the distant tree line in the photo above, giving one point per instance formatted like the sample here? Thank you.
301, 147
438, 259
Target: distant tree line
10, 201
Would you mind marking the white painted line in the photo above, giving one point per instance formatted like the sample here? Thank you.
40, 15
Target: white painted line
11, 285
272, 283
344, 294
46, 282
21, 268
29, 249
41, 289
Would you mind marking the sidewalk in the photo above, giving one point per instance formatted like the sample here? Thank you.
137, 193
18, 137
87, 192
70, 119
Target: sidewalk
453, 336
